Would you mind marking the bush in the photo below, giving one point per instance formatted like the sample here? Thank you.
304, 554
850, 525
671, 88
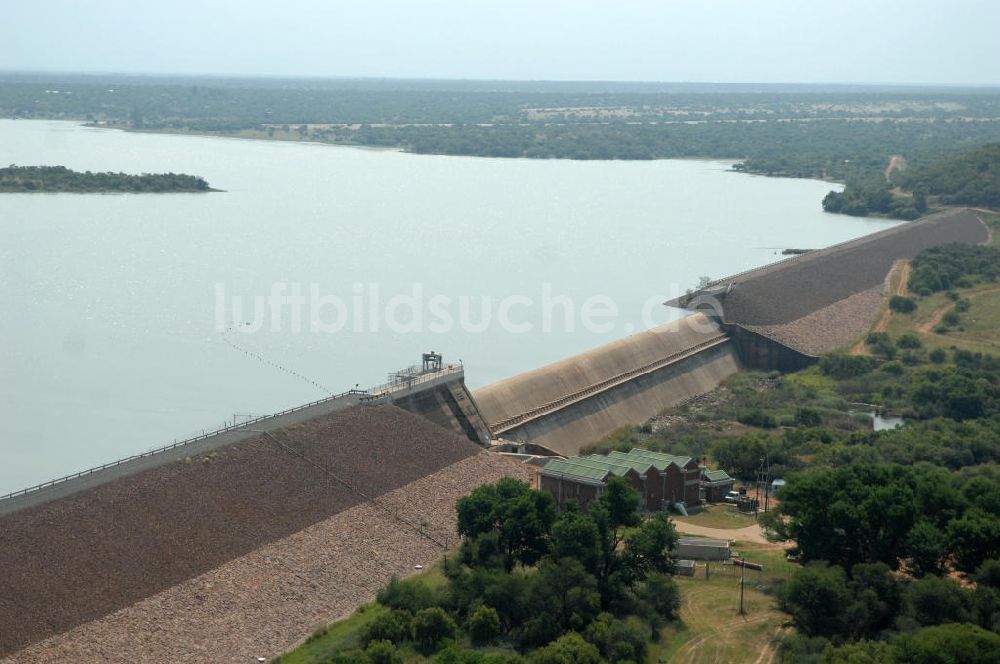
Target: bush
908, 340
948, 643
902, 304
816, 597
383, 652
951, 318
757, 418
808, 417
410, 594
484, 624
841, 365
431, 627
936, 601
568, 649
893, 368
616, 640
391, 626
938, 356
963, 305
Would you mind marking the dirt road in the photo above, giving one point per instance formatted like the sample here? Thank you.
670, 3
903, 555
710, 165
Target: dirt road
749, 534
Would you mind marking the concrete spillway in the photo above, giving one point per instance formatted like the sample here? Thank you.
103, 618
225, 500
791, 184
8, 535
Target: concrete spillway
580, 399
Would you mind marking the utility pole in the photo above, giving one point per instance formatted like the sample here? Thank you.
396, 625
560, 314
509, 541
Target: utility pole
743, 569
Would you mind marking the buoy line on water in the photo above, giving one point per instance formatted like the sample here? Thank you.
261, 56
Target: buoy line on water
264, 360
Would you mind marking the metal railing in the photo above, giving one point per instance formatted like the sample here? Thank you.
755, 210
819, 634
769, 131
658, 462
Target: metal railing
181, 443
384, 389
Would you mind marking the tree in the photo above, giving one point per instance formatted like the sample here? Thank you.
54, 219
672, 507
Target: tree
647, 549
935, 600
521, 516
944, 644
431, 626
575, 535
410, 594
616, 640
484, 624
975, 537
566, 594
816, 597
616, 510
383, 652
568, 649
660, 601
902, 304
876, 600
392, 626
926, 546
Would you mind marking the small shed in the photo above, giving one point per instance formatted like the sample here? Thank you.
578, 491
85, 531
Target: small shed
684, 568
715, 484
777, 484
700, 548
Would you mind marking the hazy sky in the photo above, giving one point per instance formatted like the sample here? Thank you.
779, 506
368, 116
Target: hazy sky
887, 41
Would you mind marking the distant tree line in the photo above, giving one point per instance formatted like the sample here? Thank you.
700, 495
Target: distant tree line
845, 134
971, 178
61, 179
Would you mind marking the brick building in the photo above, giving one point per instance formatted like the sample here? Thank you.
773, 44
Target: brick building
715, 485
661, 479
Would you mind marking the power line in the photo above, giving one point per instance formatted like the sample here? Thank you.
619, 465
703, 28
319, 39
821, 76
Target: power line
264, 360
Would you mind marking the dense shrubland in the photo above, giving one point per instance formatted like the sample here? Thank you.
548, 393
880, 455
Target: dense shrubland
532, 585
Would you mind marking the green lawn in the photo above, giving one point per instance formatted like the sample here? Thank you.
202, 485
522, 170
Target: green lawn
717, 516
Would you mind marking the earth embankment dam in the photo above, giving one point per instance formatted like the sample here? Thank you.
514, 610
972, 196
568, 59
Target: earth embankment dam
238, 552
780, 316
238, 544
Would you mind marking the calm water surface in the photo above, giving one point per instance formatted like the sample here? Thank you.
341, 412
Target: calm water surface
111, 343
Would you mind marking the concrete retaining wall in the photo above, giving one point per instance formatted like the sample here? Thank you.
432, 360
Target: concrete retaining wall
567, 428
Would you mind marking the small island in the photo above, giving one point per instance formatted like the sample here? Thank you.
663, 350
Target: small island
50, 179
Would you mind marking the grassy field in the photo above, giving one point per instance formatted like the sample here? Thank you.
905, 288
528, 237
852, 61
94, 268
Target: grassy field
717, 516
978, 331
711, 629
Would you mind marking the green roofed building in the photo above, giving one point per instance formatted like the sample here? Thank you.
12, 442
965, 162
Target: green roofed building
661, 479
715, 484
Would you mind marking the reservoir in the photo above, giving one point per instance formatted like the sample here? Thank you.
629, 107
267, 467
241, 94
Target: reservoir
129, 320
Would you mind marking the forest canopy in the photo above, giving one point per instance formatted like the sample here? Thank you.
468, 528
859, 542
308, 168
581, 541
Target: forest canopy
31, 179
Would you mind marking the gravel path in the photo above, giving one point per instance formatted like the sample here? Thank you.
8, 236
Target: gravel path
748, 534
267, 601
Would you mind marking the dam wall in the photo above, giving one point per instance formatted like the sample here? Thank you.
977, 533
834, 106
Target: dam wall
578, 400
239, 553
782, 314
447, 403
760, 352
440, 397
